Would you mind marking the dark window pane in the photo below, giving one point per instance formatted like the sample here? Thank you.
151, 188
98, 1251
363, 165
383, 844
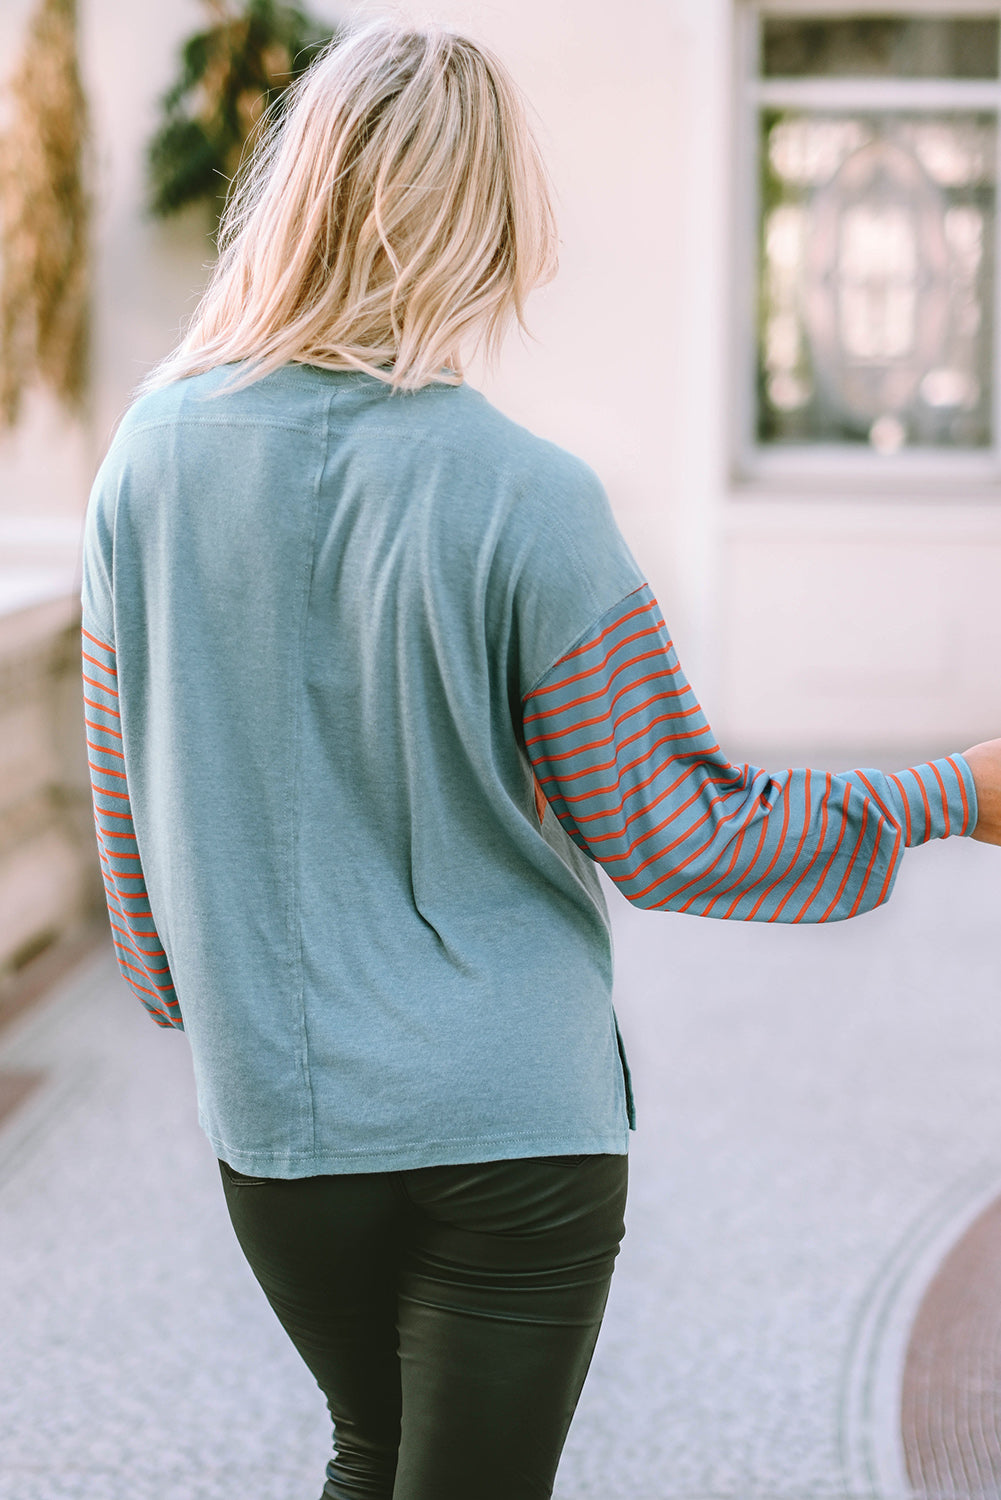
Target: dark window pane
880, 46
875, 308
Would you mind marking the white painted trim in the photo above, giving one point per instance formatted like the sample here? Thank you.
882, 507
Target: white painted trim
937, 517
883, 94
996, 299
820, 470
824, 463
965, 9
744, 272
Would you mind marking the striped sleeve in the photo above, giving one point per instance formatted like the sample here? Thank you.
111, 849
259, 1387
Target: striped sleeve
623, 754
141, 956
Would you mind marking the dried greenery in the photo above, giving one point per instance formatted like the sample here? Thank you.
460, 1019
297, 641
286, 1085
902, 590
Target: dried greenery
44, 210
230, 74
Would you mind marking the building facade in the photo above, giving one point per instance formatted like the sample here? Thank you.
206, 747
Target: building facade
773, 335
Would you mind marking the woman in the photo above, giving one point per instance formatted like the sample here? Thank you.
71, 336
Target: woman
372, 681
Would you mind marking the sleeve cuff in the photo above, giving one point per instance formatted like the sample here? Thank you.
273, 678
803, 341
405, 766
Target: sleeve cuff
936, 799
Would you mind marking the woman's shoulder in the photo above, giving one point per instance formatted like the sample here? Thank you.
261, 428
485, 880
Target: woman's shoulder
464, 419
459, 420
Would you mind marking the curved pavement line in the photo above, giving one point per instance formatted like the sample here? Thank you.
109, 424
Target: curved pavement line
951, 1385
870, 1439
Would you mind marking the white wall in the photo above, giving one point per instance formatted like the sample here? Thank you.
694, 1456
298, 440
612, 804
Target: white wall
808, 625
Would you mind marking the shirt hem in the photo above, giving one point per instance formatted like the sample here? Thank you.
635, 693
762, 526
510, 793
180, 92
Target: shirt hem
291, 1164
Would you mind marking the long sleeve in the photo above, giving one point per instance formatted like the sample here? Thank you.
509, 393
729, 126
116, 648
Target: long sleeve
140, 952
624, 755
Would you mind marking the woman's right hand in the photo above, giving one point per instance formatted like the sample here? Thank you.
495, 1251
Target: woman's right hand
985, 762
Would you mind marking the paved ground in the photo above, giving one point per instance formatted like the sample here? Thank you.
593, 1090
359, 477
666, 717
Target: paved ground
819, 1124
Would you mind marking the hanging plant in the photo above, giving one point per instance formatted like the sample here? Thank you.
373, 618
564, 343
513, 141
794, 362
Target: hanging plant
230, 74
44, 267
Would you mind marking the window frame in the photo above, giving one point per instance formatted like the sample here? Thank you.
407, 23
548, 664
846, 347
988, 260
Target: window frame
757, 466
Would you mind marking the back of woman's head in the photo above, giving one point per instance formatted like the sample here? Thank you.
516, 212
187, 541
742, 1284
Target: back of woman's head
393, 212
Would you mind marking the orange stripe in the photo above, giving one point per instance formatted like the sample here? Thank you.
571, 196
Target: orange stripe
126, 914
925, 803
798, 851
962, 793
907, 807
617, 785
892, 866
100, 664
96, 641
707, 752
104, 749
702, 874
101, 707
105, 855
872, 861
672, 873
606, 765
738, 844
562, 708
124, 963
697, 854
554, 687
141, 989
105, 791
824, 873
774, 858
117, 875
102, 728
115, 907
141, 952
100, 685
887, 814
104, 771
558, 734
945, 801
660, 853
816, 854
114, 878
851, 863
602, 838
744, 873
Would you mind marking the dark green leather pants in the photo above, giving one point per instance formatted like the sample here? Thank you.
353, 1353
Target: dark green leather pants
449, 1314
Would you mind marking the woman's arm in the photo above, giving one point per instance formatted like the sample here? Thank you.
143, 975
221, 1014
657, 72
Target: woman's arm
625, 756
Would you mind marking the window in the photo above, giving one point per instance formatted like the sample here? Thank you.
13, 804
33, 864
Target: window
870, 160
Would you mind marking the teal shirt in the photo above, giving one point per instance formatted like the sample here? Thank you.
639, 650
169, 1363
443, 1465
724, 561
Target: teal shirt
316, 619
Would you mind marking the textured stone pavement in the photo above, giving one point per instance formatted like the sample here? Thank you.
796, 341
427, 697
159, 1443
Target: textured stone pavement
819, 1122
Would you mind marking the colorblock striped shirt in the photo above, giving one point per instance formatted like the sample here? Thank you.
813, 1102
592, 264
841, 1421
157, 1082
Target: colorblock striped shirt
372, 685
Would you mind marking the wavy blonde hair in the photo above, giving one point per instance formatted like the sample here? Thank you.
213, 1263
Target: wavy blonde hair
394, 210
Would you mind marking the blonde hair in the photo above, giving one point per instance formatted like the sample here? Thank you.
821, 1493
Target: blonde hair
395, 209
